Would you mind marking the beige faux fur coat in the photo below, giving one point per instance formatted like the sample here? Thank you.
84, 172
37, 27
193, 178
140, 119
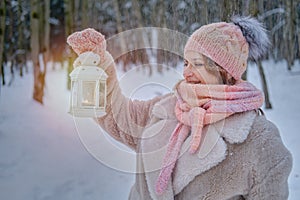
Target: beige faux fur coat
241, 157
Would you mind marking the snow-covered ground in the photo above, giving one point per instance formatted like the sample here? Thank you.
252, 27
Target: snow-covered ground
43, 154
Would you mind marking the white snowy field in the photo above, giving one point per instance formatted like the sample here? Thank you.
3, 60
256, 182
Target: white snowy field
43, 156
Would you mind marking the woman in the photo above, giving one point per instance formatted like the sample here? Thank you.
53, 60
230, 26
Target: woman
208, 140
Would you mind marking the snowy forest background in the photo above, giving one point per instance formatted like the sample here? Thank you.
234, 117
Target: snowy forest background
29, 29
42, 157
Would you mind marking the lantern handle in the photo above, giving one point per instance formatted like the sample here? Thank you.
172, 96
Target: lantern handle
88, 58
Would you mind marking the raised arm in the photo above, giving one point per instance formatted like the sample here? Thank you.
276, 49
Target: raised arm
125, 119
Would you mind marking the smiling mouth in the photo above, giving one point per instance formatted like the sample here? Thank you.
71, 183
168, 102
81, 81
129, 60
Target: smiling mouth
192, 81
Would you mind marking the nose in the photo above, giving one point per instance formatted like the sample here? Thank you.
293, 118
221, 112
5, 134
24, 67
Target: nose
187, 72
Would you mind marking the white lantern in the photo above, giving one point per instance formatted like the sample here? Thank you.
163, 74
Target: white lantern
88, 88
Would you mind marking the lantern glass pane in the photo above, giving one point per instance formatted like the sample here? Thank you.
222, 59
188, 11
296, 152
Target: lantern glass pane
102, 95
88, 93
74, 93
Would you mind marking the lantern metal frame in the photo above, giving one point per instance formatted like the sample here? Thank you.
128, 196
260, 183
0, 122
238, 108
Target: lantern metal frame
81, 76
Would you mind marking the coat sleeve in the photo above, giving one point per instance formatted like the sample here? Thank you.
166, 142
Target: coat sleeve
269, 175
125, 119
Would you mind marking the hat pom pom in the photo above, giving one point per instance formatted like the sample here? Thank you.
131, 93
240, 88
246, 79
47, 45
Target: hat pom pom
255, 34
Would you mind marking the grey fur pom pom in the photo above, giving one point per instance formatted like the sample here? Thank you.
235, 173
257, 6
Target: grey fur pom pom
255, 34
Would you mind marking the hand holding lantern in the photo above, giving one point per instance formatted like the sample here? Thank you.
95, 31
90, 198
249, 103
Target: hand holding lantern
88, 89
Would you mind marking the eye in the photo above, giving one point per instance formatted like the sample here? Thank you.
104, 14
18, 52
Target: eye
185, 63
199, 64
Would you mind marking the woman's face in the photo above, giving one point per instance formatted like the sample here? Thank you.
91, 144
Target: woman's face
195, 71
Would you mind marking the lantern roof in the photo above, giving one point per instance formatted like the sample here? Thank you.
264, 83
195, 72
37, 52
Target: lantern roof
88, 73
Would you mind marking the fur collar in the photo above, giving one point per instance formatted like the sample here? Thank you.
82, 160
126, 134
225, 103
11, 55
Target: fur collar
233, 129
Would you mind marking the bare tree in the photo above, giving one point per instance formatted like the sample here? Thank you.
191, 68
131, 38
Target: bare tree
69, 28
158, 19
268, 104
226, 10
256, 8
10, 54
204, 10
39, 74
45, 40
140, 56
2, 34
120, 30
84, 14
20, 53
290, 33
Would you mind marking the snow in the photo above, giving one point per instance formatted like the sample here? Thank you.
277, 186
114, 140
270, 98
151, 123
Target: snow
41, 155
47, 154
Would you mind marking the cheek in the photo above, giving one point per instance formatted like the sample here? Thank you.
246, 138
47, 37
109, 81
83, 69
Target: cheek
197, 74
211, 78
187, 71
204, 76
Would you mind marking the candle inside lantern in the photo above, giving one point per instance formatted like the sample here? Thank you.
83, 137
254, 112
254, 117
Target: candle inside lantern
88, 93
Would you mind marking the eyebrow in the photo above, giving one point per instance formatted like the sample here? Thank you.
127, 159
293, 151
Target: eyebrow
197, 59
194, 59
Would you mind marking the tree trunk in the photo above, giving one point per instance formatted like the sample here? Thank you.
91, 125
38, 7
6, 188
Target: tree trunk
94, 22
85, 14
204, 11
140, 56
39, 75
268, 104
120, 30
10, 55
46, 34
226, 10
76, 15
290, 32
2, 34
159, 21
19, 53
245, 9
175, 16
298, 35
252, 9
69, 28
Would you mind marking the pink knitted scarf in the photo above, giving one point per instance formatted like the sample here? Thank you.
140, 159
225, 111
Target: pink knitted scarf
199, 105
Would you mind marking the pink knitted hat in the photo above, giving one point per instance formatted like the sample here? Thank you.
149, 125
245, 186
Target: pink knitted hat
229, 44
